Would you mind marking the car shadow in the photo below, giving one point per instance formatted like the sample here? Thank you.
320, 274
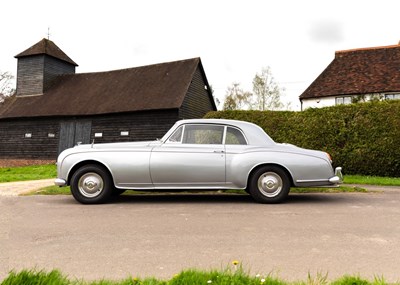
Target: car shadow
222, 198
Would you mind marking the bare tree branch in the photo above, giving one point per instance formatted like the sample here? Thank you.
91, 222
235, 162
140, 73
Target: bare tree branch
6, 85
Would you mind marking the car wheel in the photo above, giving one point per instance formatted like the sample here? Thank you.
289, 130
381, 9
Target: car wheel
91, 184
269, 184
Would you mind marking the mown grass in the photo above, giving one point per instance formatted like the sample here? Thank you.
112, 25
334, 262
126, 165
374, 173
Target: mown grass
55, 190
372, 180
35, 172
230, 276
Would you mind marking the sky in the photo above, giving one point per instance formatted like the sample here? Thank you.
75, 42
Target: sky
235, 39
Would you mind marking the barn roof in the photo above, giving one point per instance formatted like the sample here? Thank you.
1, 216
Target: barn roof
46, 46
358, 71
152, 87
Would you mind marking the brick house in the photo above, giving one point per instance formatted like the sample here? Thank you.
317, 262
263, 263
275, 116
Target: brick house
356, 75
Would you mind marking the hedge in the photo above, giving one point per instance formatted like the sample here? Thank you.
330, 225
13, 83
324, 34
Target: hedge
363, 138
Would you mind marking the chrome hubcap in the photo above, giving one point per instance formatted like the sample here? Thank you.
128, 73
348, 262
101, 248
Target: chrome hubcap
90, 184
270, 184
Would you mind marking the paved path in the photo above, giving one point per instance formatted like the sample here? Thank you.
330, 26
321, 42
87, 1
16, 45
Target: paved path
159, 235
23, 187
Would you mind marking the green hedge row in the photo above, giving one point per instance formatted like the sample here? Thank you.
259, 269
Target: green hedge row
363, 138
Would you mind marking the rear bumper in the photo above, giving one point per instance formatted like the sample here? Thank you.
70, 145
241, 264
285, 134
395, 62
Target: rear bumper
60, 182
338, 178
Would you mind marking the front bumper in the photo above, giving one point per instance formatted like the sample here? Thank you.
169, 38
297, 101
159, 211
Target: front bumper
60, 182
338, 178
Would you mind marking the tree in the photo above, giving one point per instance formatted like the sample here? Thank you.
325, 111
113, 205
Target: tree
236, 98
266, 91
6, 88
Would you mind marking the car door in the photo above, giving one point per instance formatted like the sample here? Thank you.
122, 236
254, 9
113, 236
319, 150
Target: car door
193, 157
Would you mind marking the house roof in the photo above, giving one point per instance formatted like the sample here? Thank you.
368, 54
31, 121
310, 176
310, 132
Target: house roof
46, 46
358, 71
152, 87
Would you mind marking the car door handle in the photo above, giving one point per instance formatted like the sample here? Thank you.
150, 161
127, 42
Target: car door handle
219, 151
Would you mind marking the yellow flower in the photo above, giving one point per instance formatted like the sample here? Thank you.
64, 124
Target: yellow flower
235, 262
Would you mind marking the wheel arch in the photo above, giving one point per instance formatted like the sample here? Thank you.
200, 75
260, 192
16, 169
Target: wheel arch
88, 162
286, 170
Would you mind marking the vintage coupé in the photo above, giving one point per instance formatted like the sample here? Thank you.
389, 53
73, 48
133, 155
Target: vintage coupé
206, 154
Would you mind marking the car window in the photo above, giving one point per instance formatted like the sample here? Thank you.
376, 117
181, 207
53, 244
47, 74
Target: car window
203, 134
234, 136
176, 136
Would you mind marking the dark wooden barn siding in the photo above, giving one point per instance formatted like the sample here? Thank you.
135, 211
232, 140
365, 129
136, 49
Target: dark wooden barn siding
141, 126
37, 73
50, 135
54, 67
30, 75
197, 101
14, 143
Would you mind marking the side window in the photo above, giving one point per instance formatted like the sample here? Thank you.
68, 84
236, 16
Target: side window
176, 136
234, 136
203, 134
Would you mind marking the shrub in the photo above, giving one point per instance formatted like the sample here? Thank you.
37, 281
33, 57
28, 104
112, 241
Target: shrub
363, 138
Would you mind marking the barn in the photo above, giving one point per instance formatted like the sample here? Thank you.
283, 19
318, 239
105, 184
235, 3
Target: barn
55, 107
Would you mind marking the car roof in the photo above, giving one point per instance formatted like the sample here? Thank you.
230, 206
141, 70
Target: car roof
254, 134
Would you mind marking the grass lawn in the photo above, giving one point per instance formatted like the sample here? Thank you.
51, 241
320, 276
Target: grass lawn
229, 276
372, 180
55, 190
10, 174
35, 172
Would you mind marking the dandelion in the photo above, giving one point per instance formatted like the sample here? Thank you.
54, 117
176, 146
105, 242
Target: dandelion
258, 276
262, 281
235, 262
209, 282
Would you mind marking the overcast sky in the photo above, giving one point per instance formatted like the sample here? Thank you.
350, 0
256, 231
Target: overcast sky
234, 39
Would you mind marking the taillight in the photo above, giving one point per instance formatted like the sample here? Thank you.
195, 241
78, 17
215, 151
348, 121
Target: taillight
329, 157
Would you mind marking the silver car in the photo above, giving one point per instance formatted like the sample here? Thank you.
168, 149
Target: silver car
206, 154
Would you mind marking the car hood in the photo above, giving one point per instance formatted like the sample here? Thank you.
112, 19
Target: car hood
122, 145
109, 146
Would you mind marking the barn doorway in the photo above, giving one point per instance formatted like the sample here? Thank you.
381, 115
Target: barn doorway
73, 132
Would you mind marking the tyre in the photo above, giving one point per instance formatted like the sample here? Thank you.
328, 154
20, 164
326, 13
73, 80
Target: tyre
91, 184
269, 184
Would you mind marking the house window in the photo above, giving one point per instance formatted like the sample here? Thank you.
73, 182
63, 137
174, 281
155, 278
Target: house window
124, 134
51, 135
343, 100
392, 96
98, 135
28, 135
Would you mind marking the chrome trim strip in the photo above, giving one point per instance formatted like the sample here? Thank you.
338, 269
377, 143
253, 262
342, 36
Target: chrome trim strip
315, 180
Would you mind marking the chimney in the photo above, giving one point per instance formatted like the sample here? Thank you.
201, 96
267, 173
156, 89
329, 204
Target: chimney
38, 67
